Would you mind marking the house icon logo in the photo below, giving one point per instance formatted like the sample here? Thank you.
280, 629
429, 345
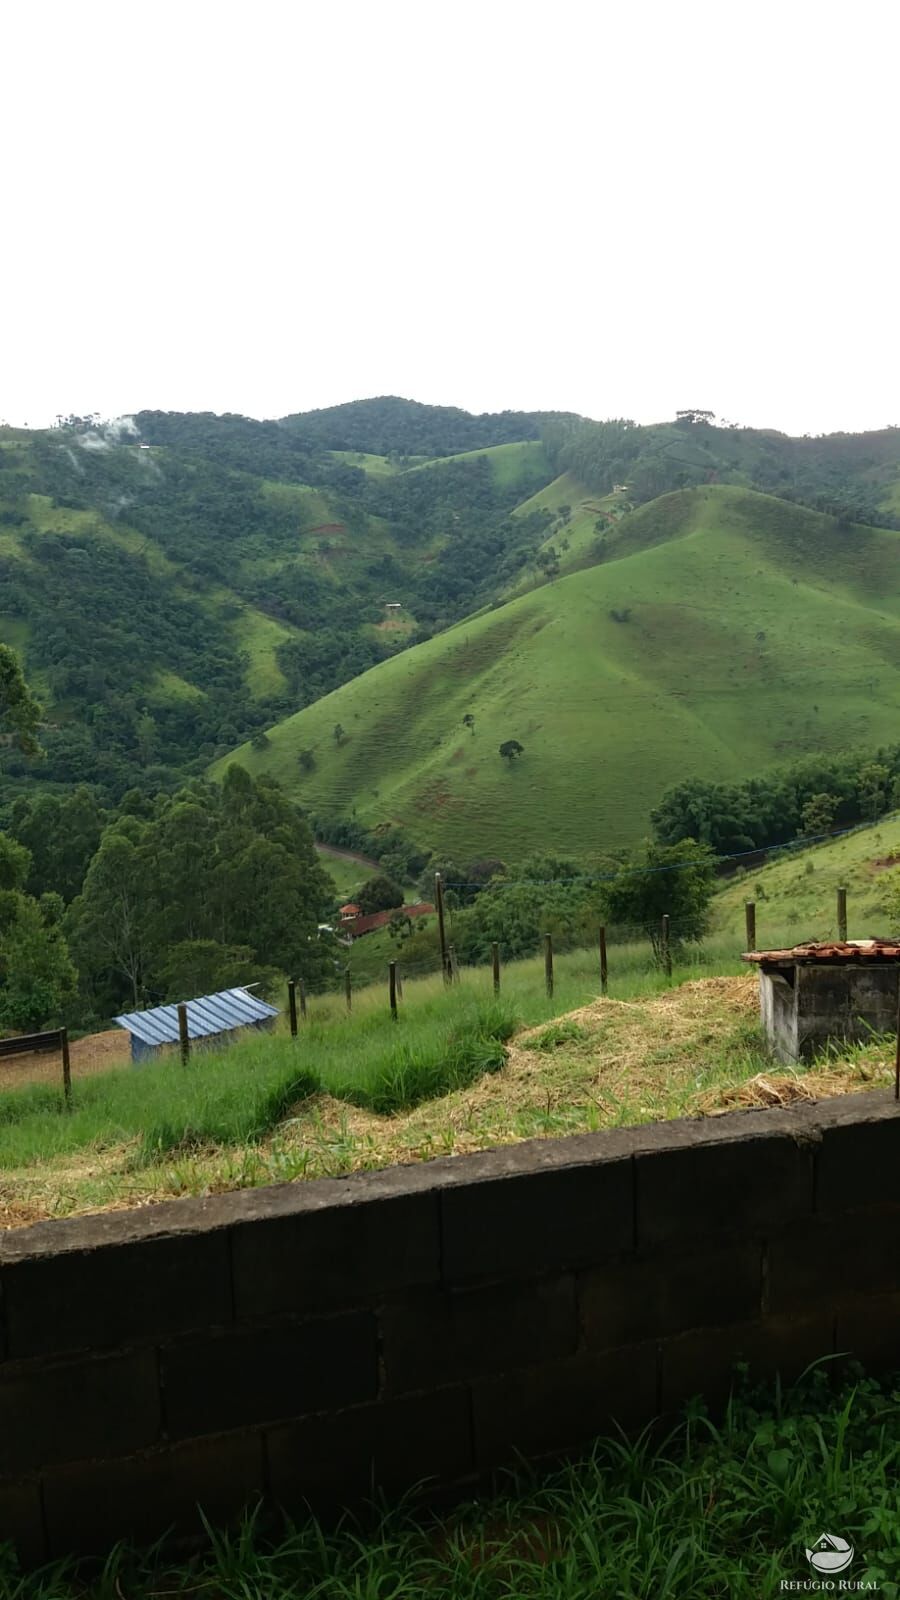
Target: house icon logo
830, 1554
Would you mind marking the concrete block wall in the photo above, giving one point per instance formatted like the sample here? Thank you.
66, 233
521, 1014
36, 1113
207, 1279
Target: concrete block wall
808, 1005
311, 1342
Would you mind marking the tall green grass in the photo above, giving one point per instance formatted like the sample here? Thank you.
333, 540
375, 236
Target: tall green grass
444, 1039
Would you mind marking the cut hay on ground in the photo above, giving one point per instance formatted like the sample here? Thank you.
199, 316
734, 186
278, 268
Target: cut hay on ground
695, 1050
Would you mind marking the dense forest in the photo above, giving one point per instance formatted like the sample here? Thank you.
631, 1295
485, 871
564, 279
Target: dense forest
841, 474
806, 800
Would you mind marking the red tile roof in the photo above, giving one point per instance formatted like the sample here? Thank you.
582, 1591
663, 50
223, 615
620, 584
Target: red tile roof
380, 919
833, 950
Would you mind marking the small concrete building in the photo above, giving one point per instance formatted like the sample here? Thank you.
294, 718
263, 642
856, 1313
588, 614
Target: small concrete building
818, 994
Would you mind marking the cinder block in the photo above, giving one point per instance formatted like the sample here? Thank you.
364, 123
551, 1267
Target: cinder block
115, 1294
821, 1262
859, 1158
736, 1187
342, 1460
261, 1374
108, 1406
435, 1337
703, 1362
335, 1255
537, 1221
22, 1522
868, 1329
563, 1404
647, 1296
139, 1498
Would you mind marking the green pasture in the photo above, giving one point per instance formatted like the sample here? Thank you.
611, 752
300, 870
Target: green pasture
795, 894
348, 877
577, 542
718, 671
513, 466
259, 636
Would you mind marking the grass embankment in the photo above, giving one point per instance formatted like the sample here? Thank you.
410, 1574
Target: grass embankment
796, 893
459, 1072
716, 672
711, 1511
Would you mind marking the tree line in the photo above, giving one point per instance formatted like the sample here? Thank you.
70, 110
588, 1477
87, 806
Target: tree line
212, 886
804, 801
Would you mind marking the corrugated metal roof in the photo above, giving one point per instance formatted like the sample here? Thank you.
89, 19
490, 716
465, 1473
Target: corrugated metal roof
833, 950
212, 1013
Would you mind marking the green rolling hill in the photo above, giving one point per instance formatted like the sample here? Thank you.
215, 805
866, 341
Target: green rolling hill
749, 631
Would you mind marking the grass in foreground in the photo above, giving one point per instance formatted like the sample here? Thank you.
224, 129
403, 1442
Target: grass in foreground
712, 1512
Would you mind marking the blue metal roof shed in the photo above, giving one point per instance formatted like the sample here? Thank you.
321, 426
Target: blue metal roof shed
207, 1018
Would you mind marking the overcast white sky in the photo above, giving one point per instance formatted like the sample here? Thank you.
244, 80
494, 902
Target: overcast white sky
614, 208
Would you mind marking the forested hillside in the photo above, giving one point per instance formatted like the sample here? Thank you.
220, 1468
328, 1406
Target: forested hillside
175, 584
852, 476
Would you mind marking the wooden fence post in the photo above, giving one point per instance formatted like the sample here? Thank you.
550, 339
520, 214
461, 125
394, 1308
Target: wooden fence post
66, 1066
842, 914
184, 1037
897, 1060
301, 990
750, 919
666, 946
604, 970
348, 989
454, 964
442, 931
548, 964
495, 966
392, 987
292, 1007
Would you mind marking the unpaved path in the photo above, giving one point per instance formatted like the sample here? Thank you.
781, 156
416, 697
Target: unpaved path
348, 855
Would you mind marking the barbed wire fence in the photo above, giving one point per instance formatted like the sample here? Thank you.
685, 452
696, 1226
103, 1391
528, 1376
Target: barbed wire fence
659, 945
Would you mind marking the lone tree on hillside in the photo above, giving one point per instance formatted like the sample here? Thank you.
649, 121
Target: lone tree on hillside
510, 749
339, 734
469, 722
19, 711
675, 880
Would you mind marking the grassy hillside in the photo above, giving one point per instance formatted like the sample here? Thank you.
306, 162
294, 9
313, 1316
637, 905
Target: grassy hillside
796, 895
755, 631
